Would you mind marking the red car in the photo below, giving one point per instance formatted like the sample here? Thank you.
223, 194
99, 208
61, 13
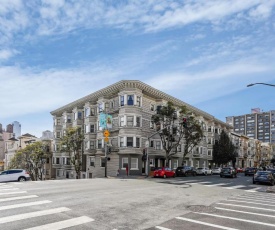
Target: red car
240, 170
164, 172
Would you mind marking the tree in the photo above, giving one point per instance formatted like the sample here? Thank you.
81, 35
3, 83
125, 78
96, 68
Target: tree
173, 124
72, 143
32, 158
224, 150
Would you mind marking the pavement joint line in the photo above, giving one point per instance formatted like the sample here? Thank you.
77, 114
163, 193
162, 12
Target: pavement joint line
63, 224
243, 206
234, 218
249, 202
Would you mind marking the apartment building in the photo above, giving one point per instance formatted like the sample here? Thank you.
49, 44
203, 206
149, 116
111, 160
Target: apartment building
257, 125
131, 104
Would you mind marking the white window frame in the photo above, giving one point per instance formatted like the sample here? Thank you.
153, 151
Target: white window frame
121, 142
139, 101
135, 163
87, 111
121, 121
128, 122
101, 160
175, 164
152, 162
92, 159
157, 145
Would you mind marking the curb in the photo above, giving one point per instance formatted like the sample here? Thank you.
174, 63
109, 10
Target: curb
270, 190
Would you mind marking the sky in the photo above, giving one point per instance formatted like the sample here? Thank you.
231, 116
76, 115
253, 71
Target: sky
205, 53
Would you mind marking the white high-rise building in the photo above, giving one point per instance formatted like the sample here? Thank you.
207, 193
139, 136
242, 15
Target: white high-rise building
16, 129
47, 135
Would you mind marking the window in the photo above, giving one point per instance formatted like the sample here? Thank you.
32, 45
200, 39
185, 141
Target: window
92, 144
102, 162
87, 112
100, 107
75, 116
99, 144
58, 121
209, 152
130, 100
158, 109
137, 142
129, 141
179, 148
130, 121
79, 115
69, 119
86, 128
134, 163
175, 165
92, 111
124, 162
57, 160
122, 100
92, 161
138, 101
92, 128
121, 141
138, 121
152, 162
151, 143
68, 161
57, 134
121, 121
152, 107
157, 144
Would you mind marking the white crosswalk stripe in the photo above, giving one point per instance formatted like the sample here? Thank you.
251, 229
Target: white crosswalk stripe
11, 193
24, 204
18, 198
63, 224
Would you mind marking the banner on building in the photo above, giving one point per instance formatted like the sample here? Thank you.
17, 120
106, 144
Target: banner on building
105, 121
256, 110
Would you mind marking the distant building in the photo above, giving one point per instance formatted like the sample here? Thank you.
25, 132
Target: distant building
9, 128
47, 135
257, 125
16, 129
1, 128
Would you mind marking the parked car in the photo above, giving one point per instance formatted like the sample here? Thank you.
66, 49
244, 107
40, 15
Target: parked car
228, 172
272, 170
185, 171
250, 171
164, 172
204, 171
263, 177
216, 170
14, 175
240, 170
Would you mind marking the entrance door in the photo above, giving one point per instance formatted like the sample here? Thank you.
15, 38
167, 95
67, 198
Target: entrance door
143, 166
67, 174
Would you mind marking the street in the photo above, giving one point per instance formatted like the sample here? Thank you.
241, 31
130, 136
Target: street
201, 202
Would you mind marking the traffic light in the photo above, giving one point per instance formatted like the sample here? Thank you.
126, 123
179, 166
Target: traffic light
184, 122
109, 150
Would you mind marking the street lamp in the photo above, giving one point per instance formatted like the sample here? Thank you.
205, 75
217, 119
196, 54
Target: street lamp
249, 85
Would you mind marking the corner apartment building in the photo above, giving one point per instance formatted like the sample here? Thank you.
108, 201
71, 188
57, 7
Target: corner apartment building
257, 125
131, 104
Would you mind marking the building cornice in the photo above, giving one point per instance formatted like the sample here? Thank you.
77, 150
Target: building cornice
113, 89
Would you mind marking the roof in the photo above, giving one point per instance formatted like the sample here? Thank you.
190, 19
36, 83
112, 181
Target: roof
113, 89
12, 139
27, 135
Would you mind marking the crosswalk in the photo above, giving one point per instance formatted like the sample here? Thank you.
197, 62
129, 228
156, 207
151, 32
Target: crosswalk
246, 188
38, 214
247, 211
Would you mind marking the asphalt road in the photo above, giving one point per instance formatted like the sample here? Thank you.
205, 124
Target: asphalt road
124, 203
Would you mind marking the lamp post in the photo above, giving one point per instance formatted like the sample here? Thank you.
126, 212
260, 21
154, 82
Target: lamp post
249, 85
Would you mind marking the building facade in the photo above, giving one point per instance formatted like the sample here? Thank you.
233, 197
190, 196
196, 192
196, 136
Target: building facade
257, 125
16, 129
131, 104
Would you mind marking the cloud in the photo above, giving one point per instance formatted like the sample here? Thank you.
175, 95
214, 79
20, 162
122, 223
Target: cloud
7, 54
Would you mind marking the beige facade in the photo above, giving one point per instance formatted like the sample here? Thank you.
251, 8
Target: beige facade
131, 104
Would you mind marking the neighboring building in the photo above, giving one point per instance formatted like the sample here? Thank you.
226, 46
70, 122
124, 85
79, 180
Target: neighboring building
9, 128
1, 128
2, 152
131, 104
11, 146
257, 125
47, 135
16, 129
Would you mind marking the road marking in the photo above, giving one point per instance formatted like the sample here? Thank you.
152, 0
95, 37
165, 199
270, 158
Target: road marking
18, 198
235, 187
254, 199
5, 186
63, 224
252, 190
250, 202
8, 189
32, 214
205, 182
162, 228
25, 204
243, 206
207, 224
238, 219
2, 184
262, 195
10, 193
211, 185
252, 213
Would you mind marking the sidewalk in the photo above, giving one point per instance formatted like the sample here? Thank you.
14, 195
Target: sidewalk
270, 189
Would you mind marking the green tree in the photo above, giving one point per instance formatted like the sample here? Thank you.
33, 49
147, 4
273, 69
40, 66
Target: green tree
72, 143
174, 124
224, 150
32, 158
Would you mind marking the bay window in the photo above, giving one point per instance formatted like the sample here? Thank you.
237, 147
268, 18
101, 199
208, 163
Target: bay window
138, 101
134, 163
137, 121
121, 121
129, 141
130, 121
130, 99
124, 162
121, 141
137, 142
122, 100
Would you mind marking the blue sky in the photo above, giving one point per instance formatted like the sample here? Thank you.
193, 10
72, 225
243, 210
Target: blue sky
203, 52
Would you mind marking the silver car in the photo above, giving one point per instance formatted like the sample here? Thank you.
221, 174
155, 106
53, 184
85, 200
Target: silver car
204, 171
216, 170
14, 175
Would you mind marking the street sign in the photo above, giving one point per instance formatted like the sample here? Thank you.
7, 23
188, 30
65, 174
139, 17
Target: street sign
106, 133
106, 139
